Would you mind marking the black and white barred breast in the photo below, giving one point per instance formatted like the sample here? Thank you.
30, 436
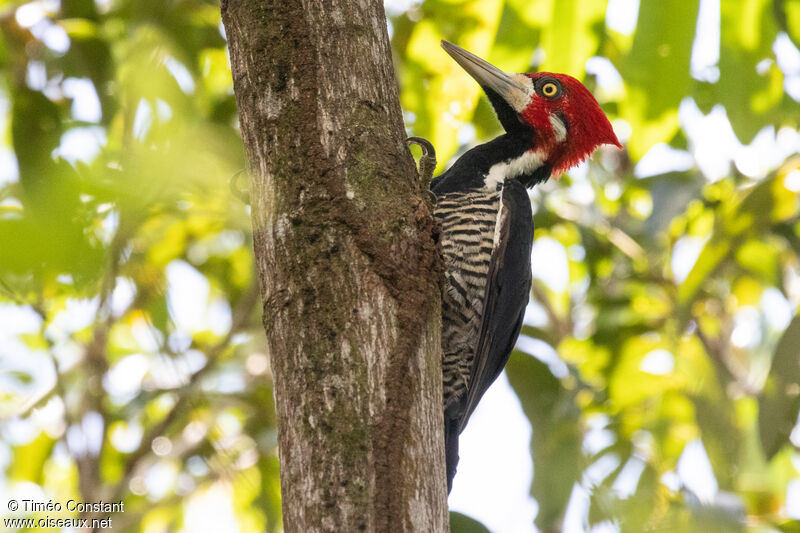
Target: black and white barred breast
468, 221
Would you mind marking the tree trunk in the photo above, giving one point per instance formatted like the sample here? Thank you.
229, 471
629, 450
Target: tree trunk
348, 266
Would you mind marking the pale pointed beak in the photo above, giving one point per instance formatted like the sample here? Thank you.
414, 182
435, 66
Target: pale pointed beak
513, 88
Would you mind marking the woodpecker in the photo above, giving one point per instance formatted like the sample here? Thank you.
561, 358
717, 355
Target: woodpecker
551, 122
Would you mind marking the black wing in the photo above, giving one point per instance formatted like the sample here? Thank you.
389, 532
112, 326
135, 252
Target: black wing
507, 293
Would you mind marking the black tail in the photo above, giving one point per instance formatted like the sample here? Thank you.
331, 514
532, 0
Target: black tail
451, 450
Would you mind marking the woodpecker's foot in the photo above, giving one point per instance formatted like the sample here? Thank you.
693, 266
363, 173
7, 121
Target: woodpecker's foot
427, 163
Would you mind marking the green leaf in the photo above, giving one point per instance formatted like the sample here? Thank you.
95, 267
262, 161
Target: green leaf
747, 33
80, 28
571, 35
720, 435
656, 72
557, 440
29, 459
440, 94
761, 258
712, 255
779, 402
460, 523
790, 526
793, 20
269, 500
753, 212
23, 378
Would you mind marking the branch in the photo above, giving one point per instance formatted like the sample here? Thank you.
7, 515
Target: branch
240, 320
720, 355
41, 400
624, 242
563, 327
12, 295
97, 363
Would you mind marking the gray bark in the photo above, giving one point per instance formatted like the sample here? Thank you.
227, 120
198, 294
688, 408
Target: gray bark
349, 271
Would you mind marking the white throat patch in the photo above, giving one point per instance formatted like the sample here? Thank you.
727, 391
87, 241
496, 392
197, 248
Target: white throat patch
511, 168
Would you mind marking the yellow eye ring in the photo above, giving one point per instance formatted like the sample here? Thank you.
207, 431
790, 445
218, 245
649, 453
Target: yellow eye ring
549, 89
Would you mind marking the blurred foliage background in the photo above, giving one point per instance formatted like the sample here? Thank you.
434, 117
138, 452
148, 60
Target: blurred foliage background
663, 339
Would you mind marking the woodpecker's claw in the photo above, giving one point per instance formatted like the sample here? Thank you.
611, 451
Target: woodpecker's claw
427, 163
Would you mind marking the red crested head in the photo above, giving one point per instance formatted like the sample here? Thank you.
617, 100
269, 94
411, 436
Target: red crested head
567, 121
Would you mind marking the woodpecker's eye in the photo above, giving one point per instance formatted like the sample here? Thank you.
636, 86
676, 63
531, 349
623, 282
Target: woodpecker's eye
549, 88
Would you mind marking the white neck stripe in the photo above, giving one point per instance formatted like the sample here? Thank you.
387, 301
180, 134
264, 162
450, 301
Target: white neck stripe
511, 168
559, 128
